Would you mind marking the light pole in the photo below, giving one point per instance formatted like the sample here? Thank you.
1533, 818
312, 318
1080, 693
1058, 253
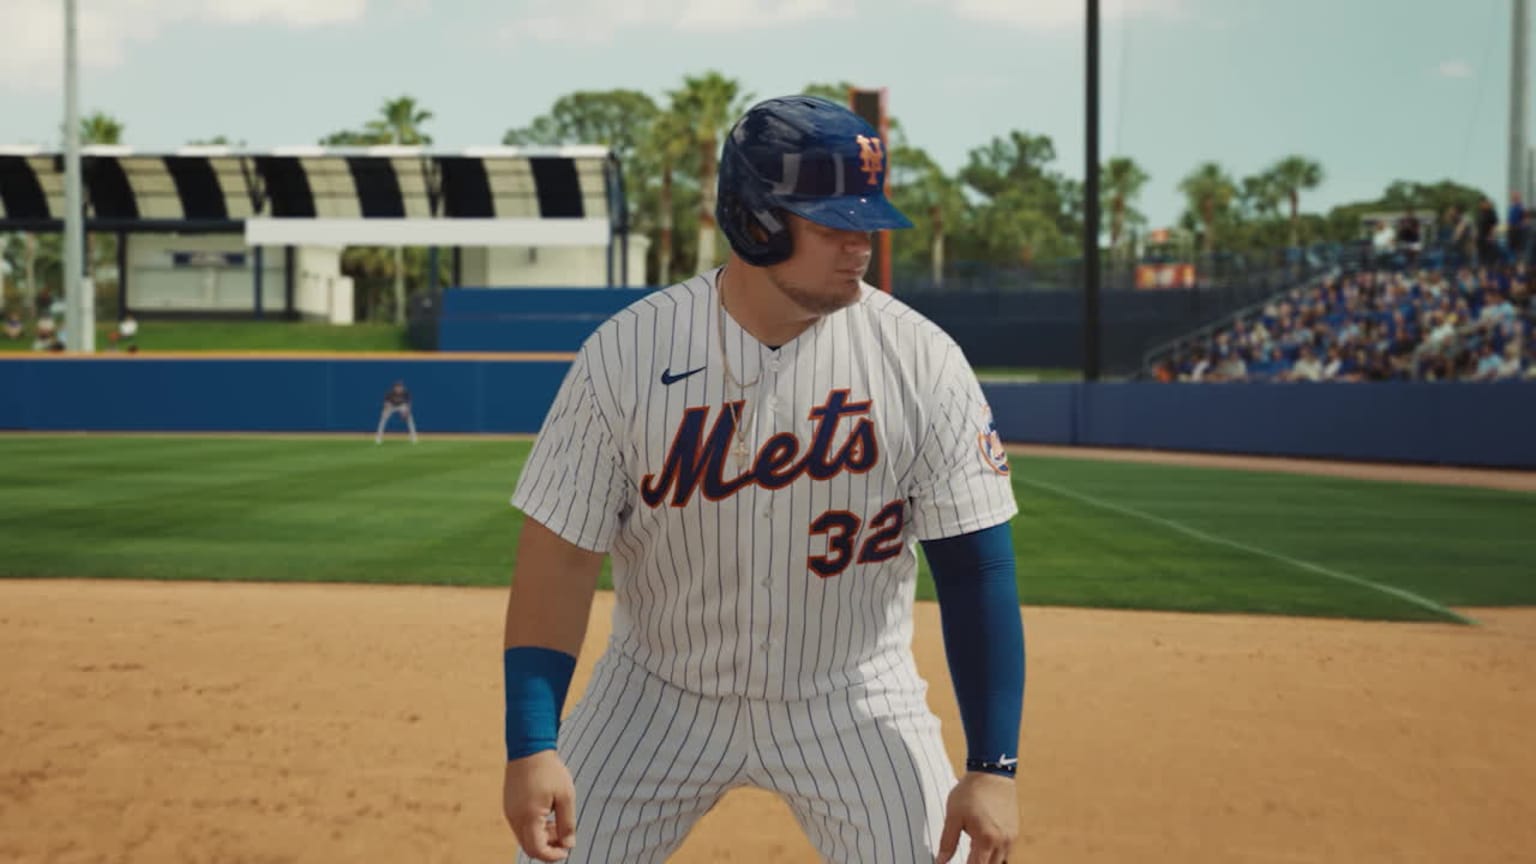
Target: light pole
79, 309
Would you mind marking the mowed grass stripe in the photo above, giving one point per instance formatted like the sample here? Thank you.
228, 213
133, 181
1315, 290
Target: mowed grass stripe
1072, 553
252, 509
1458, 546
346, 510
1214, 540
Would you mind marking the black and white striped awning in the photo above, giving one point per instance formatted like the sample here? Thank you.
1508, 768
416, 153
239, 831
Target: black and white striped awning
483, 196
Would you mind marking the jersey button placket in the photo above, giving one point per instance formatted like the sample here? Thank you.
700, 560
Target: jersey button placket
771, 367
771, 411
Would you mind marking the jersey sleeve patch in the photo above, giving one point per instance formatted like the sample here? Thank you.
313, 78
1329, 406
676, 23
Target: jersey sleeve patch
990, 444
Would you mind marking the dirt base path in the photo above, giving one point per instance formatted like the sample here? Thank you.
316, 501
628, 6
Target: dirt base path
232, 723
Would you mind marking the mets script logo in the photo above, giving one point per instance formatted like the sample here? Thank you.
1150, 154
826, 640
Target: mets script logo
991, 444
871, 158
696, 460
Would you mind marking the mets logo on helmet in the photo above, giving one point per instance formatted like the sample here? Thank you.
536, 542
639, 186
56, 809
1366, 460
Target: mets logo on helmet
991, 444
871, 158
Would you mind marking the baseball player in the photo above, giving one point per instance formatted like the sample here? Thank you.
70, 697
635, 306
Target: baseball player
760, 450
396, 401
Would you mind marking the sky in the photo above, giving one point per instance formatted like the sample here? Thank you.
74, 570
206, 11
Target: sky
1374, 90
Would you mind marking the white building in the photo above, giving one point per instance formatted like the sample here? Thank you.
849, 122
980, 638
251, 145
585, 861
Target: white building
222, 230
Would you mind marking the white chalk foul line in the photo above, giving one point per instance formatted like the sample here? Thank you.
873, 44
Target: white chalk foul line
1408, 596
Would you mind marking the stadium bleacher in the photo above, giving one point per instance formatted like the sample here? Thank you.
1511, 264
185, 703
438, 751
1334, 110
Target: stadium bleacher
1418, 317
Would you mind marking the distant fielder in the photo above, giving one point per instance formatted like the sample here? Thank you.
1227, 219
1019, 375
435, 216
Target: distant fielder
396, 401
761, 449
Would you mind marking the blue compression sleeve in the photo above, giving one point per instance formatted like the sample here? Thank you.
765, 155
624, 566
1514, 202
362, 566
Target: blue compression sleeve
983, 640
536, 682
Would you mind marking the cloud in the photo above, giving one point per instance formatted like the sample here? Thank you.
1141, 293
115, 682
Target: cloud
595, 21
1454, 69
32, 40
1059, 14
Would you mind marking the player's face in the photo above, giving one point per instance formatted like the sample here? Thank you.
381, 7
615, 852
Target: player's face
825, 273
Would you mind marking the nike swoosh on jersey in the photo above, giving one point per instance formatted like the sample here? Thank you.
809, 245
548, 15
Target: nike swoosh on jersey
668, 379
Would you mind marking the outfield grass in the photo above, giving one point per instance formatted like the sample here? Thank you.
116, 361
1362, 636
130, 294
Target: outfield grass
346, 510
159, 335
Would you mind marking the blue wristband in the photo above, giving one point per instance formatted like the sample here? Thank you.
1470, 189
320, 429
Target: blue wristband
536, 681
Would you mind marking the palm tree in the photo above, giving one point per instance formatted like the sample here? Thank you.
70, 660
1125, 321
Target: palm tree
400, 123
100, 128
368, 265
666, 147
1259, 196
95, 129
1291, 175
1210, 192
1123, 180
710, 103
918, 182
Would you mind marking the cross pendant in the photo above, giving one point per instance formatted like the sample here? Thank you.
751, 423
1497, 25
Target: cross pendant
741, 454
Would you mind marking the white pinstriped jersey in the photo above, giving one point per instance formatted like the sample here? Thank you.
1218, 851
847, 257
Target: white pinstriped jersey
788, 574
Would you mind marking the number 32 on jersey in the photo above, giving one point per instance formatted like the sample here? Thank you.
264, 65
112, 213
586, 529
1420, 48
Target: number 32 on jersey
878, 541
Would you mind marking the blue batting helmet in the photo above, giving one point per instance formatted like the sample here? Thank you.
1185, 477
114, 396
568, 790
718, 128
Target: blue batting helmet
807, 156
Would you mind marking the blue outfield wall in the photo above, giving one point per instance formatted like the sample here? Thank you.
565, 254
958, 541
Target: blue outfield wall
273, 395
996, 328
1463, 423
526, 319
1473, 424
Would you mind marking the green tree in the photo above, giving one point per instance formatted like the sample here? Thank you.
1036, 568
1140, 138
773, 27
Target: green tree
616, 119
1028, 211
543, 131
1259, 197
1122, 180
1291, 176
355, 138
710, 103
99, 128
620, 120
401, 121
1210, 192
14, 275
931, 198
1402, 196
665, 154
369, 266
1019, 160
1013, 230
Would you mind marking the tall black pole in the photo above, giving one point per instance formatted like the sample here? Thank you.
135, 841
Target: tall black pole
1091, 206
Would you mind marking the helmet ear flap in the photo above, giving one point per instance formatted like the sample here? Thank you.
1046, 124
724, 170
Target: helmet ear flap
745, 211
772, 232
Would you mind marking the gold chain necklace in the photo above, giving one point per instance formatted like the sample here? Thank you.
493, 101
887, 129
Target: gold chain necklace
740, 449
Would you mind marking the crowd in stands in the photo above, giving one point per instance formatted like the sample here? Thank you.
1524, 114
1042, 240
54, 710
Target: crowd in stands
1459, 307
48, 334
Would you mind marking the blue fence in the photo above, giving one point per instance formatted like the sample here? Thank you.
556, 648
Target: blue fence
1448, 423
299, 395
1462, 423
526, 319
995, 328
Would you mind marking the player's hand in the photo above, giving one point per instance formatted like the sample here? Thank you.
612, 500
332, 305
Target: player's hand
986, 807
538, 787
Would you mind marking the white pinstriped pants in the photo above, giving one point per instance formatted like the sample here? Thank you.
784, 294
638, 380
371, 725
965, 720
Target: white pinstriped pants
864, 772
